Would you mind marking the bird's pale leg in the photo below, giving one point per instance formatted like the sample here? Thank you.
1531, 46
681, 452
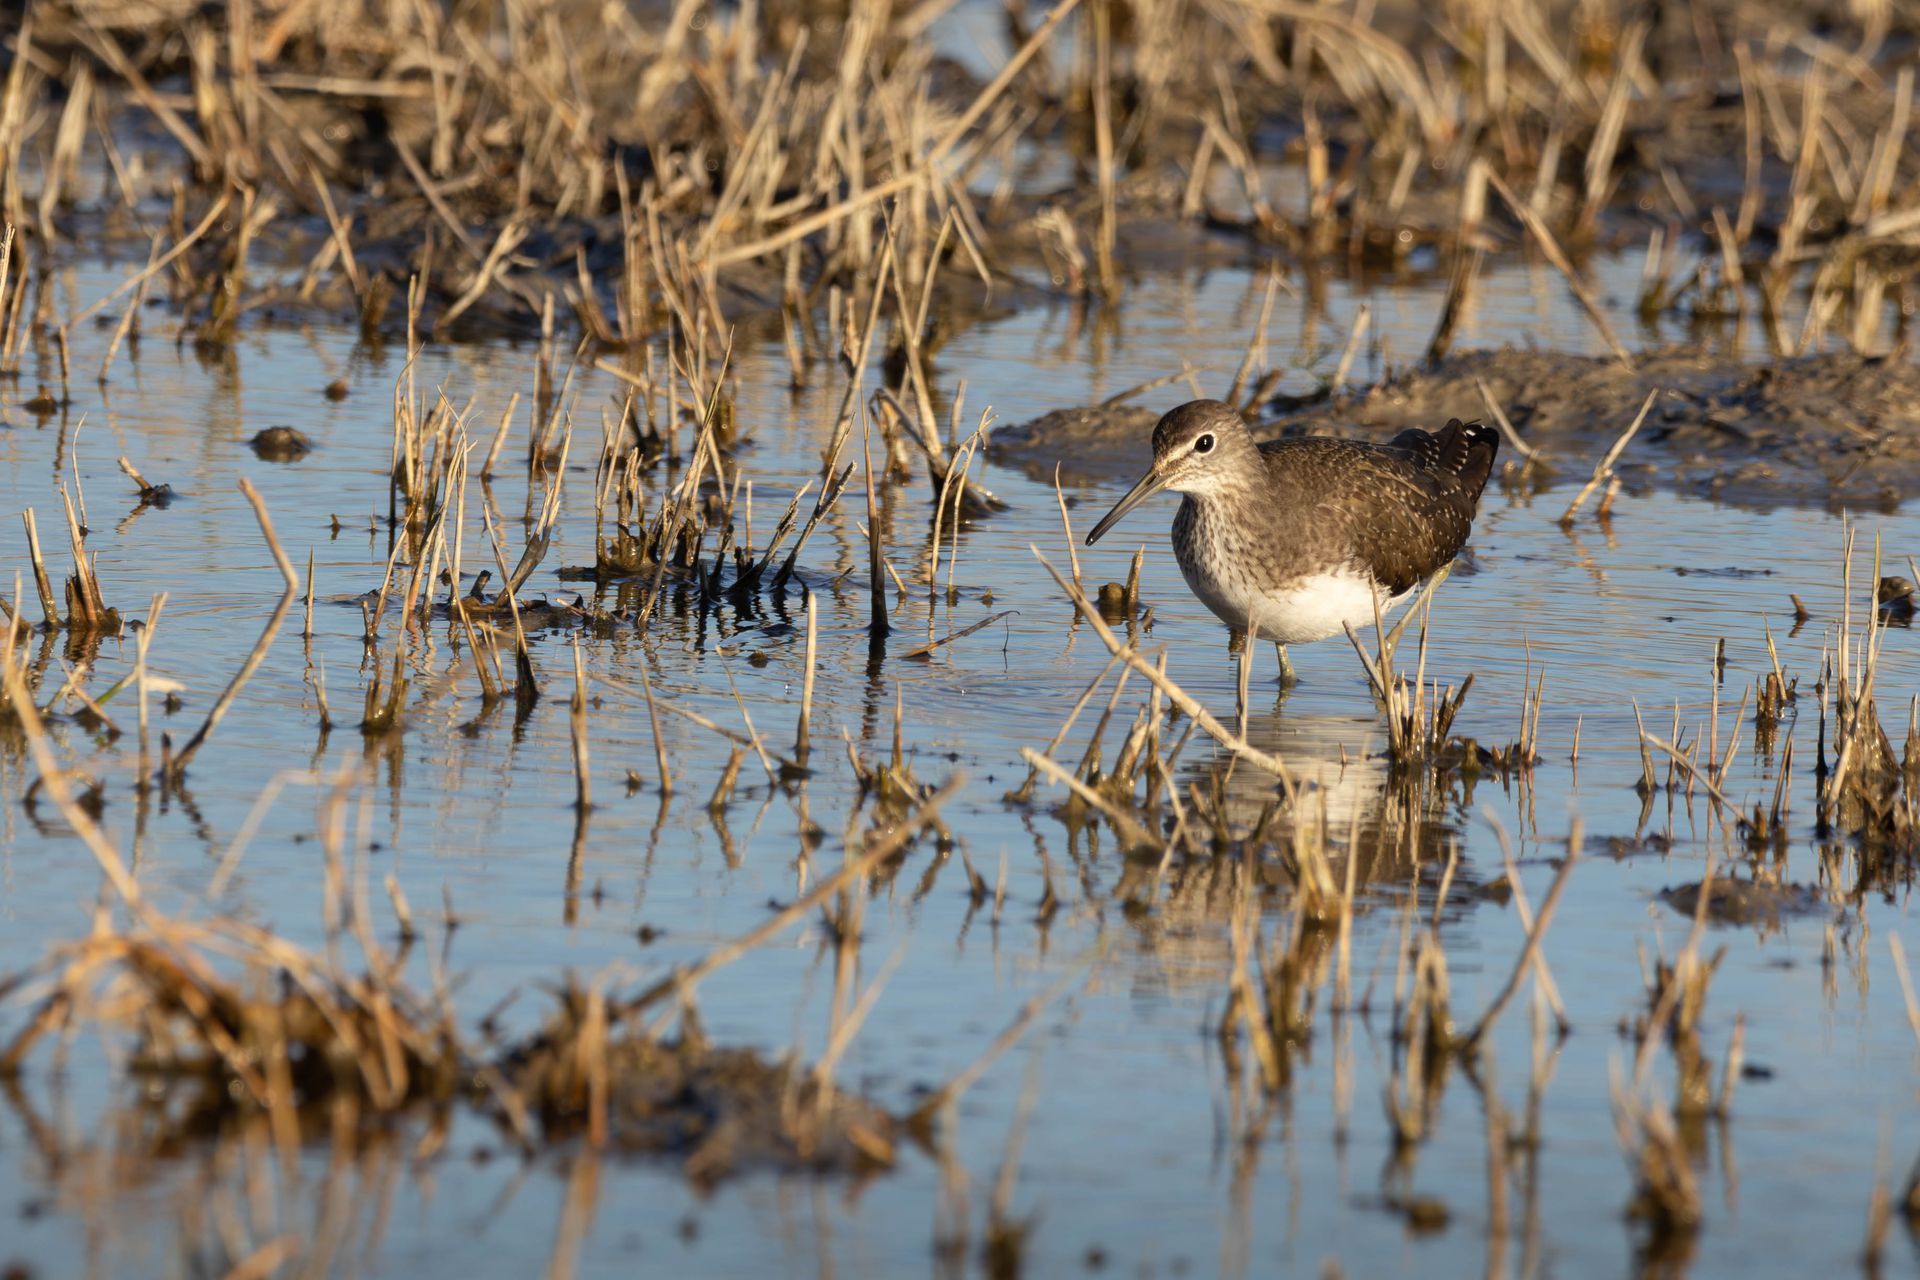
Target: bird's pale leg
1426, 593
1287, 678
1246, 676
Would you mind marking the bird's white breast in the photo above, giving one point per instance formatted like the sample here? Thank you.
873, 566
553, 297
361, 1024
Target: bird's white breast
1312, 607
1319, 606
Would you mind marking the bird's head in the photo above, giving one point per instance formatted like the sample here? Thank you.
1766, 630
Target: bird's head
1200, 448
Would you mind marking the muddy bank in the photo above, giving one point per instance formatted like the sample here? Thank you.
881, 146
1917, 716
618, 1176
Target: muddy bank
1828, 430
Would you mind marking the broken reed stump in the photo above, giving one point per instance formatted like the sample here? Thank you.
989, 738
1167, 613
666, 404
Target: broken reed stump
86, 611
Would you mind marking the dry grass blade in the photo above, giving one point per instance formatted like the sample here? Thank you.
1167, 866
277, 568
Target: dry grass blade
954, 1088
577, 720
659, 742
1179, 697
684, 977
1532, 947
267, 634
926, 650
1685, 762
49, 610
1550, 246
1499, 416
1604, 469
1128, 827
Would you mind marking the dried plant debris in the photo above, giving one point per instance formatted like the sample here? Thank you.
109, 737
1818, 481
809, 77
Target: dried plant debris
709, 168
293, 1039
151, 494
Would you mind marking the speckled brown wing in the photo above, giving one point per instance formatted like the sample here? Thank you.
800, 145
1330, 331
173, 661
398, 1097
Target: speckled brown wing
1464, 450
1401, 510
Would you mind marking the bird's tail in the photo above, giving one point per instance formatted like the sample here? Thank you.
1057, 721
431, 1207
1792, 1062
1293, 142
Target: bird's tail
1467, 450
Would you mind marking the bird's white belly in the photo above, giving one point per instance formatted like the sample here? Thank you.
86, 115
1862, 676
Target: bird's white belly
1310, 608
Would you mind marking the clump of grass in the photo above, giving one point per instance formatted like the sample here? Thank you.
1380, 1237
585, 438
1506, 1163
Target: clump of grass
1666, 1196
81, 610
1865, 791
1774, 697
385, 696
1272, 999
229, 1020
1420, 714
1661, 1139
293, 1037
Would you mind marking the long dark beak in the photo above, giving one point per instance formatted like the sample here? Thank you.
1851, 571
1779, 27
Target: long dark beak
1150, 484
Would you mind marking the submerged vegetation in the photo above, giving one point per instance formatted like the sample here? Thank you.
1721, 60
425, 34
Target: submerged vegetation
653, 196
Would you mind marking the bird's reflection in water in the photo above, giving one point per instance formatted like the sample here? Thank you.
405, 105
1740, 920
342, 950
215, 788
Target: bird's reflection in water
1390, 820
1395, 828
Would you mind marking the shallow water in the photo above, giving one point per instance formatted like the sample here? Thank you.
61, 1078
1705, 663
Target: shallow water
1139, 1154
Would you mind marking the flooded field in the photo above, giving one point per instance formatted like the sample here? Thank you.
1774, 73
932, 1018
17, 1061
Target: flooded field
556, 717
1112, 1133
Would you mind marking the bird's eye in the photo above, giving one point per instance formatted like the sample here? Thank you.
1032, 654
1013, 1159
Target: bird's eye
1203, 445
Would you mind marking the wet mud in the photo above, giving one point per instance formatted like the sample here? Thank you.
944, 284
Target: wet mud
1832, 430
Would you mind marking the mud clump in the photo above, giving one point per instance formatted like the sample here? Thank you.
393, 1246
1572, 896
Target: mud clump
721, 1111
1830, 430
281, 444
1100, 442
1895, 598
1746, 902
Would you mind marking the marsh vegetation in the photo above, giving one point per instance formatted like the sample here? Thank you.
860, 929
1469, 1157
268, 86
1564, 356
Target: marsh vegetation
553, 714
